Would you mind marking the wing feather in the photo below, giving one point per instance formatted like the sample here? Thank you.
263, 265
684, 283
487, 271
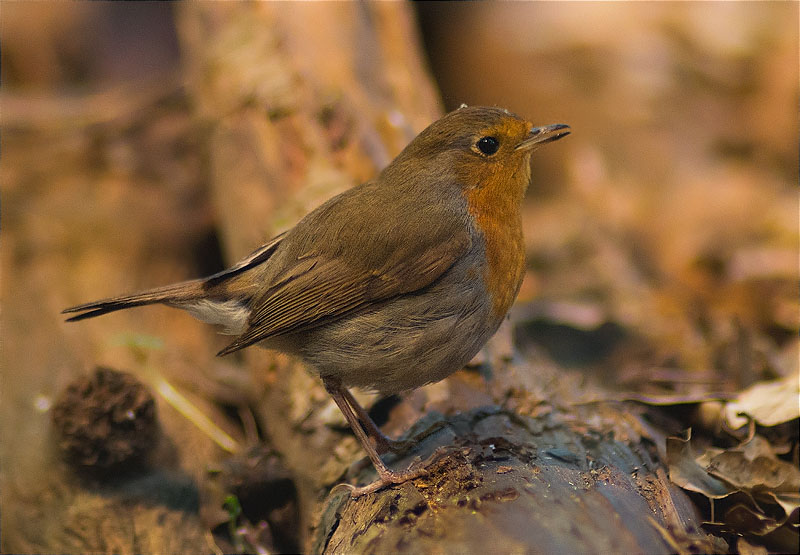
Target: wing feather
317, 289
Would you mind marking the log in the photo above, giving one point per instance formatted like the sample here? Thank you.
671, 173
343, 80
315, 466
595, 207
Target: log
507, 483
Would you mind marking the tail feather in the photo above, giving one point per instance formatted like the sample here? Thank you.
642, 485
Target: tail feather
218, 299
176, 294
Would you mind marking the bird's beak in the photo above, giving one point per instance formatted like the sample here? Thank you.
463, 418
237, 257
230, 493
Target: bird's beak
542, 135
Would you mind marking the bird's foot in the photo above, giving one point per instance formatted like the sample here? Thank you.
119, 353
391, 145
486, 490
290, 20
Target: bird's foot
387, 477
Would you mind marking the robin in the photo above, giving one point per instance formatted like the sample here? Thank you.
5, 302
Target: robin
391, 285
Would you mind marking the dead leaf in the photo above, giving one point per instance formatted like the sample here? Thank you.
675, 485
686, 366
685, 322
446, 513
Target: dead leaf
743, 547
768, 403
762, 473
745, 520
685, 471
781, 536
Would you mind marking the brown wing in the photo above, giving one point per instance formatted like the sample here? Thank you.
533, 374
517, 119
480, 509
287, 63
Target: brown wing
319, 288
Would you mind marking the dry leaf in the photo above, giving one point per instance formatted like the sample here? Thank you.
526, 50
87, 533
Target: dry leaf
768, 403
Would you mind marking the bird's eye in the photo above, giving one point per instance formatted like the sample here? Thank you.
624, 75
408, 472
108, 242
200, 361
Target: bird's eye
488, 145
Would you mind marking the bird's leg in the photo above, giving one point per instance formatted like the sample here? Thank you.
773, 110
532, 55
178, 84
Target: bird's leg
386, 476
382, 442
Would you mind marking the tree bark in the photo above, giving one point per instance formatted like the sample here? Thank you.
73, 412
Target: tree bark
508, 483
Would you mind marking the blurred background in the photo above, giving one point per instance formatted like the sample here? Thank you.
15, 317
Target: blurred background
662, 235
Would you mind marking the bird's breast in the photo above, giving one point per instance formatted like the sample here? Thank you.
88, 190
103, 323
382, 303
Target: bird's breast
497, 220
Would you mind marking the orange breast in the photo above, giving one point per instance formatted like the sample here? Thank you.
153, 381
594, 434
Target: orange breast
497, 216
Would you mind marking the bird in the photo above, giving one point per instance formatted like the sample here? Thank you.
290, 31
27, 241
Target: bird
390, 285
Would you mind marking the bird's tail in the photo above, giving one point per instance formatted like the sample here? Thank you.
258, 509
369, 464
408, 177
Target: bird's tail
219, 299
176, 294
